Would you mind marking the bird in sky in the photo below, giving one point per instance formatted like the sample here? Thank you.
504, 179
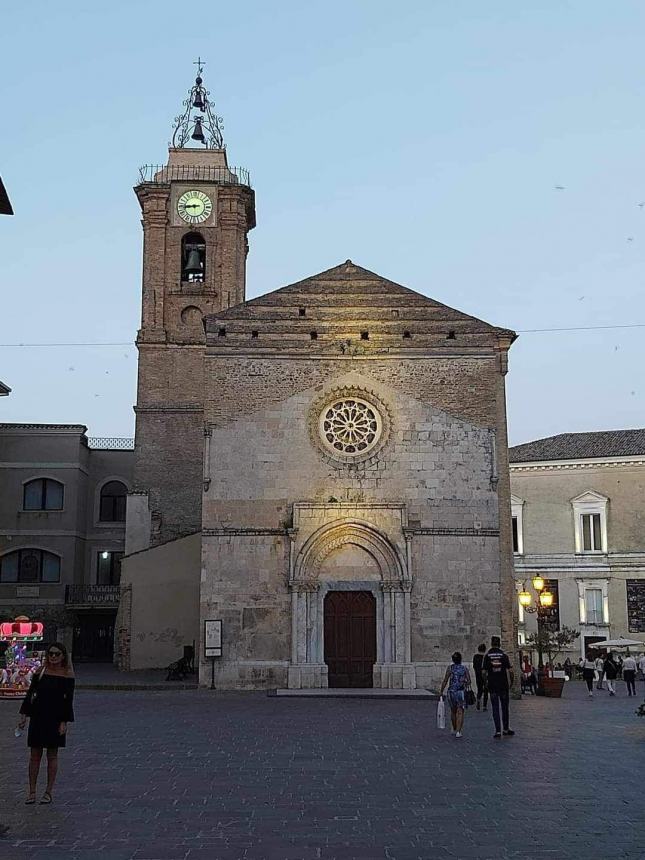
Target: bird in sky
581, 298
640, 205
630, 238
559, 187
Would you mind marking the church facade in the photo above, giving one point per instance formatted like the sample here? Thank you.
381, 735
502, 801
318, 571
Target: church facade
322, 469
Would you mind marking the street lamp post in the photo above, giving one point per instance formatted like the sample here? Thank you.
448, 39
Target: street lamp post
542, 607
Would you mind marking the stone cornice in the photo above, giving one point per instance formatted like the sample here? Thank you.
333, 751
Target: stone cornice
568, 465
170, 407
451, 532
228, 531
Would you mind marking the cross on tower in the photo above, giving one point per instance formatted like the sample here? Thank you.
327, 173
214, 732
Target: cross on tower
200, 65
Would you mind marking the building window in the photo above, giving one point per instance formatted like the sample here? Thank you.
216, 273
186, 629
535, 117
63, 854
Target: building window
113, 497
108, 568
593, 605
517, 513
591, 533
516, 543
593, 597
42, 494
30, 565
590, 522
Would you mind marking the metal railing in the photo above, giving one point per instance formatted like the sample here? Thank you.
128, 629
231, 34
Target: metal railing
95, 595
111, 443
160, 174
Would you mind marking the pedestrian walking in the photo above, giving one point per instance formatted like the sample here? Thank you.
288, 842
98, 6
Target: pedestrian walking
457, 679
600, 671
568, 667
482, 689
49, 708
589, 673
499, 678
641, 666
528, 676
610, 668
629, 674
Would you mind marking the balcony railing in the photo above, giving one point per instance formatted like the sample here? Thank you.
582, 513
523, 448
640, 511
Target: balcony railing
161, 174
92, 595
107, 443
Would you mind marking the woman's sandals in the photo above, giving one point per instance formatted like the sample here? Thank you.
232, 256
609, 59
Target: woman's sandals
31, 799
45, 799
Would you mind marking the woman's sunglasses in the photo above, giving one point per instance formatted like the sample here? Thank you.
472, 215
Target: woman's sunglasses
54, 653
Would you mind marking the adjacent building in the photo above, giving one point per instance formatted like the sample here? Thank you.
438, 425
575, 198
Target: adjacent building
578, 512
62, 531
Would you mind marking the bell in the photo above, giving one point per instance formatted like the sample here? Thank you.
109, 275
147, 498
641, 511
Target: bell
198, 101
193, 263
198, 134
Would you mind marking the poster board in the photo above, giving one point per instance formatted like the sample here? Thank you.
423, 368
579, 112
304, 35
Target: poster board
213, 638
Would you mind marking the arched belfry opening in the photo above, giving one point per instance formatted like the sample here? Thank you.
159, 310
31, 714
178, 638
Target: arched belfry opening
193, 258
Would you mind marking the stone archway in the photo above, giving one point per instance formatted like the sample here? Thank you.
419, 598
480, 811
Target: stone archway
350, 555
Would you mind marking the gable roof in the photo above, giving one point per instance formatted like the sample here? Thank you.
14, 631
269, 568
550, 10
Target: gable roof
4, 389
348, 300
5, 204
580, 446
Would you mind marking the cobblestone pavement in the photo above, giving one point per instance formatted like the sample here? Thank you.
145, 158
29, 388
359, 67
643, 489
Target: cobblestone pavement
220, 776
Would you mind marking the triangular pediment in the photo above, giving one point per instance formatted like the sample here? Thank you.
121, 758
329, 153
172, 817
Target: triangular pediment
589, 497
352, 303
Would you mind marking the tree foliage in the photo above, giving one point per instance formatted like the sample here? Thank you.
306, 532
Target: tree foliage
552, 642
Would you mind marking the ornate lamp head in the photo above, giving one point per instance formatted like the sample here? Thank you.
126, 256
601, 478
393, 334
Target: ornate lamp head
205, 128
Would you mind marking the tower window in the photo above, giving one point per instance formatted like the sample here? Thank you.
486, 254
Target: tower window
193, 258
255, 334
302, 311
407, 335
313, 335
365, 335
451, 335
221, 332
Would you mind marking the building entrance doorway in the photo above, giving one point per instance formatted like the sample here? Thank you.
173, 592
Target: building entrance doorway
350, 638
94, 638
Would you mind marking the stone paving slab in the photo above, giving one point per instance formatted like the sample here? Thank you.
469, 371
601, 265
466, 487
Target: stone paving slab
243, 776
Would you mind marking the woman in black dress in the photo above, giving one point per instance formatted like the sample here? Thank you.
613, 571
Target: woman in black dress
49, 707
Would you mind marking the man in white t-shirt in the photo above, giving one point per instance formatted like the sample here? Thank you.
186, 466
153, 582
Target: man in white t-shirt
641, 666
629, 674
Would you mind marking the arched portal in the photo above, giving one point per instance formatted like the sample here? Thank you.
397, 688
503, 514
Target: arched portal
350, 556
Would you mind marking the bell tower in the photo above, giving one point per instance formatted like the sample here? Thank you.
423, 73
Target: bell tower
196, 214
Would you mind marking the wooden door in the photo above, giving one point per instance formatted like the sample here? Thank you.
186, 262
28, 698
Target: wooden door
350, 638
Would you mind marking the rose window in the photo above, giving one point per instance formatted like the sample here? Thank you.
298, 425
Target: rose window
350, 426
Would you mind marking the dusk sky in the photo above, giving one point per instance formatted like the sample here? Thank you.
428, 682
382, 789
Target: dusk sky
489, 155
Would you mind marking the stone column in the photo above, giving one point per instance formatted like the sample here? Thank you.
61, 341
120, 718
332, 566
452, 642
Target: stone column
307, 668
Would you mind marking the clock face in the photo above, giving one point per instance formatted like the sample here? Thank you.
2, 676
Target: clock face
194, 207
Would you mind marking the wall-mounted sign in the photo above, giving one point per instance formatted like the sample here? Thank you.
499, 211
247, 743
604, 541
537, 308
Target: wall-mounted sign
636, 605
212, 638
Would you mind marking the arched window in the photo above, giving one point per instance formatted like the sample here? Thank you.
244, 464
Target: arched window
42, 494
193, 258
113, 495
30, 565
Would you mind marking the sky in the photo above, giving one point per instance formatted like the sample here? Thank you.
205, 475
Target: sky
488, 155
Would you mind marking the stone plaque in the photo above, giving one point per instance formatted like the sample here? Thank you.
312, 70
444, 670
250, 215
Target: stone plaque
27, 591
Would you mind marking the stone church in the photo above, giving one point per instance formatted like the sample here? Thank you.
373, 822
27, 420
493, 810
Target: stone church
322, 469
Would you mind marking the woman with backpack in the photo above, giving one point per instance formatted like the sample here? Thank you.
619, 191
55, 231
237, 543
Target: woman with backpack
457, 679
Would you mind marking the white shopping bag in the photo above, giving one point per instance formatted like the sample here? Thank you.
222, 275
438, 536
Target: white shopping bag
441, 714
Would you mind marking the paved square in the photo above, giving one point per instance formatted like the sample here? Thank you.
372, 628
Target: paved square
220, 776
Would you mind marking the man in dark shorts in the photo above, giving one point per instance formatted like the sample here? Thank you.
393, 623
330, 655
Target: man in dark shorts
482, 690
499, 678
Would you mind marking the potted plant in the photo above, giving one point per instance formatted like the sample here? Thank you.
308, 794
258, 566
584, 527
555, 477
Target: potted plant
551, 643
